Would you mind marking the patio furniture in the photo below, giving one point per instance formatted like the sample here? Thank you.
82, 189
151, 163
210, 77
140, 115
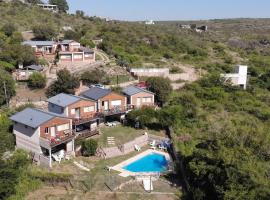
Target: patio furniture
137, 147
56, 158
109, 124
148, 185
61, 154
153, 143
108, 168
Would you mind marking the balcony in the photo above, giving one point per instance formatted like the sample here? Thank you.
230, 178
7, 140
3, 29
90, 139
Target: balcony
86, 133
49, 143
86, 119
116, 111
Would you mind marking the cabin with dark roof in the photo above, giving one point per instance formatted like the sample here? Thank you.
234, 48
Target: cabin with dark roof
43, 133
107, 102
138, 97
82, 111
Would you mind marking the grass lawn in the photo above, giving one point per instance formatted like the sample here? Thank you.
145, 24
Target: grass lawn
123, 134
91, 185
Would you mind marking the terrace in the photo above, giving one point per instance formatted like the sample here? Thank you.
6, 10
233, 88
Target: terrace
89, 118
49, 143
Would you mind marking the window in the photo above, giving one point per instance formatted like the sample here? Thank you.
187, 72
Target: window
147, 100
46, 130
116, 103
89, 109
73, 111
63, 127
102, 103
25, 126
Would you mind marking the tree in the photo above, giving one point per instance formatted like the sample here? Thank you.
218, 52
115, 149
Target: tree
44, 32
6, 66
37, 80
7, 87
62, 5
94, 77
87, 43
161, 87
16, 54
89, 147
79, 13
16, 38
34, 1
65, 83
8, 29
72, 35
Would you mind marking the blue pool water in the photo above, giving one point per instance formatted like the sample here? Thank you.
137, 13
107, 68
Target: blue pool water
153, 162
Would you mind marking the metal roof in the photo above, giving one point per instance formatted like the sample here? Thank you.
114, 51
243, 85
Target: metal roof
32, 117
35, 67
67, 41
131, 90
64, 100
38, 43
96, 93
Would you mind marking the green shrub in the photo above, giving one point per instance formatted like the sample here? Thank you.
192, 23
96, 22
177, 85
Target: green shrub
89, 147
37, 80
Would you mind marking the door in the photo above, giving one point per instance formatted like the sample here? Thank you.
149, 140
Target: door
52, 131
106, 105
138, 102
77, 113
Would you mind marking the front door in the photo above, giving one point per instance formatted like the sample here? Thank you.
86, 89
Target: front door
52, 131
138, 102
106, 105
77, 113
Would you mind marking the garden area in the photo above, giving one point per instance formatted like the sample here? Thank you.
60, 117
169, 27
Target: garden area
123, 134
96, 183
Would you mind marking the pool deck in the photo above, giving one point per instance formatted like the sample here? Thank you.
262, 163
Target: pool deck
126, 173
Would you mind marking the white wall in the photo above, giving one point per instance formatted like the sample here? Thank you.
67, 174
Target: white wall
27, 138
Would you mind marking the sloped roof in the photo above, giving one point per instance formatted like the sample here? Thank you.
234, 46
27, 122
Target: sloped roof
35, 67
33, 117
131, 90
64, 100
96, 93
38, 43
67, 41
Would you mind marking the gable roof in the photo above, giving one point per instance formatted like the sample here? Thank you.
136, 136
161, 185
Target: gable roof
67, 41
64, 100
131, 90
35, 67
33, 117
95, 93
38, 43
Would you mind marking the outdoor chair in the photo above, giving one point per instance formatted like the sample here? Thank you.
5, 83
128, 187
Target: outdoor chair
137, 147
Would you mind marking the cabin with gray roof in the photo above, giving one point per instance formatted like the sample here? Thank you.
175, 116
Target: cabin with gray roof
138, 97
67, 50
107, 101
82, 111
43, 133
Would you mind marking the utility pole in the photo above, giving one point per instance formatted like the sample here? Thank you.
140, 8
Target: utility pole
5, 90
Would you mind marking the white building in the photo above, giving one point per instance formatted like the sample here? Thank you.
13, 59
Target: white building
149, 22
50, 7
239, 77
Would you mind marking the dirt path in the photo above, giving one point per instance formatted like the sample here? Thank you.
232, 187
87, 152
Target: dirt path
189, 75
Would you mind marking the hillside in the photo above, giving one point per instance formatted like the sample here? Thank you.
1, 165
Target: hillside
220, 132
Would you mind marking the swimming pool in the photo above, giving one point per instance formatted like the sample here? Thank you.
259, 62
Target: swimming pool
153, 162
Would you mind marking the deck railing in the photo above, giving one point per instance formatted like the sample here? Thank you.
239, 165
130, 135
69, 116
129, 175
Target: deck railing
54, 141
86, 133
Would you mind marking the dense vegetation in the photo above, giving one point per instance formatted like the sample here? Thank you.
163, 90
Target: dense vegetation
221, 132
